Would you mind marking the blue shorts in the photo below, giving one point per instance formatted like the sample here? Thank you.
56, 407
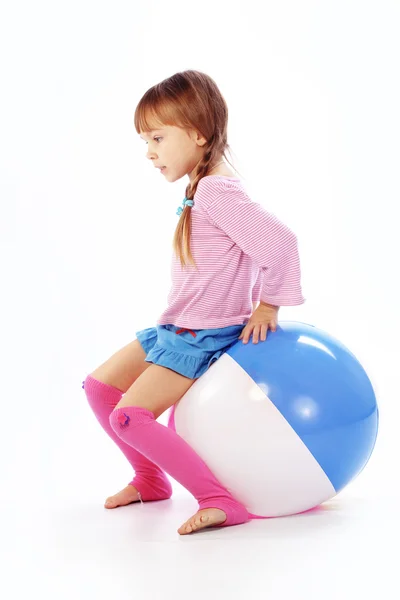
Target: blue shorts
189, 352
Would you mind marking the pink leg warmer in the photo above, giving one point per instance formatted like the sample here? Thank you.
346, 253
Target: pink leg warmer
138, 428
150, 481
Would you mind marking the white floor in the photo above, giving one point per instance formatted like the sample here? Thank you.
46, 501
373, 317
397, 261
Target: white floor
58, 542
76, 549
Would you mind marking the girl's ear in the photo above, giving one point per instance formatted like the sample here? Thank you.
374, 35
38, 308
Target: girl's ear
198, 138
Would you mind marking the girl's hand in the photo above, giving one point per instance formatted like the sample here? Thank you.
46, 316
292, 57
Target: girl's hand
264, 317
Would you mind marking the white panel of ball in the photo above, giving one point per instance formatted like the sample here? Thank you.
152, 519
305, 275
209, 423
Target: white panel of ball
248, 445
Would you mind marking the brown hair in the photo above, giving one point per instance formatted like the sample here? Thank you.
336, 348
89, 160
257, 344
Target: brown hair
189, 99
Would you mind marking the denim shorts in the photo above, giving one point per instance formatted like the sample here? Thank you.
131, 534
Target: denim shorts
189, 352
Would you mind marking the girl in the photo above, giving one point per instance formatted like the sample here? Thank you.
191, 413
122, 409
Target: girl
237, 253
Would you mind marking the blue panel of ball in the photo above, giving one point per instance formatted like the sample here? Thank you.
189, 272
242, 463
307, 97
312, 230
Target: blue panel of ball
321, 390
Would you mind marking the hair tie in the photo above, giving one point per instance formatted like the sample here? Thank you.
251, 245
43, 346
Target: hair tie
185, 202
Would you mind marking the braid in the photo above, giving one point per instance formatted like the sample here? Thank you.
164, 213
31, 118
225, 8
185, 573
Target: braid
185, 222
215, 147
202, 170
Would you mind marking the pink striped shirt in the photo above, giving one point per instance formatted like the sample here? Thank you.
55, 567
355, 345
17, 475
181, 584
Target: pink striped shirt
243, 254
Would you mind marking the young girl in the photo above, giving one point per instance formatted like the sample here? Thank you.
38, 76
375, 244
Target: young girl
237, 253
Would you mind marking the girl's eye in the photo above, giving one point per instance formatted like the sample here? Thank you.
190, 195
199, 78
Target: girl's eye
155, 138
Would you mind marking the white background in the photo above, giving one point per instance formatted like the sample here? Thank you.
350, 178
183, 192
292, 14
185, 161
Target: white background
86, 234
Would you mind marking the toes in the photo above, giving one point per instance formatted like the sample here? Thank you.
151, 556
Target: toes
185, 528
190, 526
195, 523
201, 520
198, 521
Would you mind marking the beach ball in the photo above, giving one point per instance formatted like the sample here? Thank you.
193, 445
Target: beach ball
284, 424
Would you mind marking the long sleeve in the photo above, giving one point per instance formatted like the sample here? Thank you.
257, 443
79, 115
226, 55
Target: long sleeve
256, 291
268, 241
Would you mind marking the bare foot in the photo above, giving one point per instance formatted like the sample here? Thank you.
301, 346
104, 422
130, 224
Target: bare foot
203, 518
124, 497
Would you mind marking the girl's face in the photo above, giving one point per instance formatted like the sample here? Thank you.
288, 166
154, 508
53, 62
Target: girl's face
178, 150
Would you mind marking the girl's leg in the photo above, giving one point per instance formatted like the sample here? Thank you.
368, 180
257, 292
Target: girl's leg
163, 446
150, 481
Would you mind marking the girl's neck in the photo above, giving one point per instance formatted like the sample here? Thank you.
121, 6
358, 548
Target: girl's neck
221, 169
